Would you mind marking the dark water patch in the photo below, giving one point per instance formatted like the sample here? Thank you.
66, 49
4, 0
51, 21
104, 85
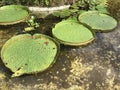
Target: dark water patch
4, 70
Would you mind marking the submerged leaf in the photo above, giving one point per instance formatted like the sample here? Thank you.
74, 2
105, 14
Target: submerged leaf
70, 32
62, 14
12, 14
98, 21
26, 54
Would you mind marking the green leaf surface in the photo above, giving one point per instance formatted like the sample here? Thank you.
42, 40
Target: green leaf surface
98, 21
12, 14
26, 54
102, 9
62, 14
70, 32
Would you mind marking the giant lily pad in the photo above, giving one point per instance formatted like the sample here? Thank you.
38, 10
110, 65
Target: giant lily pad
98, 21
26, 54
70, 32
12, 14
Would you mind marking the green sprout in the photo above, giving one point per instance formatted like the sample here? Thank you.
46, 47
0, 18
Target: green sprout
32, 24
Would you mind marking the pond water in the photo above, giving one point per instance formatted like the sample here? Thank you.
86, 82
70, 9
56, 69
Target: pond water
92, 67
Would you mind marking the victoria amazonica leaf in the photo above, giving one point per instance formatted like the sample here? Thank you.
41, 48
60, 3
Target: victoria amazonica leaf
98, 21
12, 14
70, 32
26, 54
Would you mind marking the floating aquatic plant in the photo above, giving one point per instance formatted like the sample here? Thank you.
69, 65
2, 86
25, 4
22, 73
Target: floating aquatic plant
12, 14
26, 54
70, 32
98, 21
63, 13
83, 5
32, 24
88, 4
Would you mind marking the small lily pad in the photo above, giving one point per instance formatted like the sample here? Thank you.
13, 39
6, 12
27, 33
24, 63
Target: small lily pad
12, 14
98, 21
70, 32
26, 54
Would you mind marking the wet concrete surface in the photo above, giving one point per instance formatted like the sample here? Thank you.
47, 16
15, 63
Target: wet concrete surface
92, 67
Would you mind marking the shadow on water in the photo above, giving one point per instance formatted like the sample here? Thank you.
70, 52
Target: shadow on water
4, 70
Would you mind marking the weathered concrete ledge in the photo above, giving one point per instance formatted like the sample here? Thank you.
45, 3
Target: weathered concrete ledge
48, 9
42, 12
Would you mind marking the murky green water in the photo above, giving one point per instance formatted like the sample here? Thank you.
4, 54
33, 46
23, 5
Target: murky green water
92, 67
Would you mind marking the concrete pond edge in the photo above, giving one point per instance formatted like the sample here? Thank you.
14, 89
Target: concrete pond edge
42, 12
